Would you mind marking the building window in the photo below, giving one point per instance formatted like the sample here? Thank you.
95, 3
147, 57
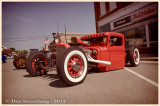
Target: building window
153, 34
105, 28
103, 8
136, 36
138, 32
112, 6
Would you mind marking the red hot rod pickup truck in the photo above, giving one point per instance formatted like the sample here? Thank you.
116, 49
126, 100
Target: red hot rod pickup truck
104, 51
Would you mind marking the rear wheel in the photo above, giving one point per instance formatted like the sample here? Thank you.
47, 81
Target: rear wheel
19, 61
134, 56
73, 67
35, 62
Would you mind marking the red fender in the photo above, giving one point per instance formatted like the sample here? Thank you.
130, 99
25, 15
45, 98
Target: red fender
64, 44
75, 40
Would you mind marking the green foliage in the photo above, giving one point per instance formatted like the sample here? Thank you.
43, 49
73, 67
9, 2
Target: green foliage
16, 51
12, 49
23, 52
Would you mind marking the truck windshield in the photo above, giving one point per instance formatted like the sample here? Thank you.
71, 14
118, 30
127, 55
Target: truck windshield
98, 40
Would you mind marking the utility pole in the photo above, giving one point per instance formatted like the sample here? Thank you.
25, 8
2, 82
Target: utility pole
65, 33
57, 25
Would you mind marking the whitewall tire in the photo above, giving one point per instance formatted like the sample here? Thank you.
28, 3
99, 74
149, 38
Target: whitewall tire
74, 66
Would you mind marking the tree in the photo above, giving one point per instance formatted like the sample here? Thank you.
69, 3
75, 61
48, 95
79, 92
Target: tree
16, 51
12, 49
25, 51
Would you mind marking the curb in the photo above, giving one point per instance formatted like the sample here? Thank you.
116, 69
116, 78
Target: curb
149, 59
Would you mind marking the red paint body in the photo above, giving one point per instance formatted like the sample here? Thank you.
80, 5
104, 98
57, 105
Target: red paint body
64, 44
106, 52
79, 41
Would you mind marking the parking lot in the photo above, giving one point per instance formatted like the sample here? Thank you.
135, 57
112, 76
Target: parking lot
131, 85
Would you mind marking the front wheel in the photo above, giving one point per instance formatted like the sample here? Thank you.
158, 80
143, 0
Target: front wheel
73, 67
35, 62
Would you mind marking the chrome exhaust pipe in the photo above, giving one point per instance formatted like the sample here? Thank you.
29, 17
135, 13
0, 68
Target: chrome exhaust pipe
90, 59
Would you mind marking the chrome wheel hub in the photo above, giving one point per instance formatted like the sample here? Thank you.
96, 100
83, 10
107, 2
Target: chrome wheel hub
76, 66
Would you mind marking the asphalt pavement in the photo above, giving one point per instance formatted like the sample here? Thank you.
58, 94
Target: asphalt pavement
131, 85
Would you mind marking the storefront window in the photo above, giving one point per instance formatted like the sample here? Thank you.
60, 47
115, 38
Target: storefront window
135, 37
136, 33
140, 33
130, 34
153, 34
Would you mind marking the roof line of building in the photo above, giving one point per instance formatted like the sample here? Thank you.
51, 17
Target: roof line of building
76, 33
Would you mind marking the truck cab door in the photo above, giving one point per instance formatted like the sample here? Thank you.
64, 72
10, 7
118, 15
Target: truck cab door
116, 52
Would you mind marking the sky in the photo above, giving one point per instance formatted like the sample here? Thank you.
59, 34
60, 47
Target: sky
25, 25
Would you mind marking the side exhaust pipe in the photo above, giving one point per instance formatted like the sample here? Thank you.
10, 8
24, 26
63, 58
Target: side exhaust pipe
90, 59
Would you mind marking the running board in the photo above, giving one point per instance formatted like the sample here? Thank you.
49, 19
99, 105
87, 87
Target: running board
90, 59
